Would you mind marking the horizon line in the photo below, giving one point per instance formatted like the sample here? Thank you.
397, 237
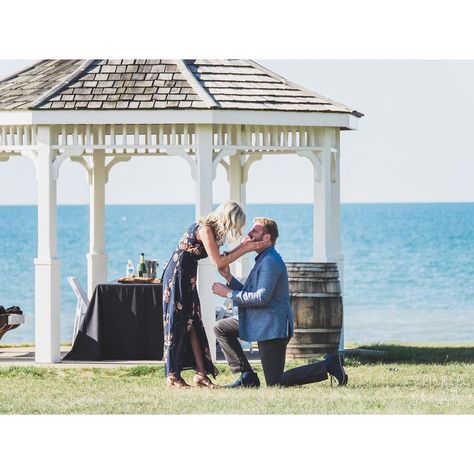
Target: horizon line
248, 203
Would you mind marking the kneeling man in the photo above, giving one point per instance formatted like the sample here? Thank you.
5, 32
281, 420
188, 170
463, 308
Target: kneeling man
265, 316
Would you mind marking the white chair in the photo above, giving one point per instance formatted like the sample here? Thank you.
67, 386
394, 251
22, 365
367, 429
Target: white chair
82, 304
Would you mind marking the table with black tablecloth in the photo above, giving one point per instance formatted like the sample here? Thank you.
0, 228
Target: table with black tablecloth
124, 321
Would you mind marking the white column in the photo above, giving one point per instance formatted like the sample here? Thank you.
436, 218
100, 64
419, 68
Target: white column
322, 235
96, 258
206, 271
336, 219
336, 249
237, 192
47, 265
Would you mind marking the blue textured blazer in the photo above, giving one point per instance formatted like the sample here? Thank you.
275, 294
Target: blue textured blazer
264, 299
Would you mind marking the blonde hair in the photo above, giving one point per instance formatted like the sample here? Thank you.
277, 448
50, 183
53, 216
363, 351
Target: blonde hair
226, 222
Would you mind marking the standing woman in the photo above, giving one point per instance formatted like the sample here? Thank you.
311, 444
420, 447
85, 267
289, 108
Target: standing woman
185, 343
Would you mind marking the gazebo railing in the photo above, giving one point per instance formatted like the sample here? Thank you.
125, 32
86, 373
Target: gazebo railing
131, 138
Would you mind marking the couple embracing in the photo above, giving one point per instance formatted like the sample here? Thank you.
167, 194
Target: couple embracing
263, 302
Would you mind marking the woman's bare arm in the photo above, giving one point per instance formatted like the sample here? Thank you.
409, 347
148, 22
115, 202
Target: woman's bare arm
207, 238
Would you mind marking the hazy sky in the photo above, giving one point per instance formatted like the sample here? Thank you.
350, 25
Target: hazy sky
413, 145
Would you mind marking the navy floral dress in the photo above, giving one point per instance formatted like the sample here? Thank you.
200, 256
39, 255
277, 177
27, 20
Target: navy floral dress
181, 306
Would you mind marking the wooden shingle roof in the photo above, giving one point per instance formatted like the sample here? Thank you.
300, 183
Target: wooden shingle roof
148, 84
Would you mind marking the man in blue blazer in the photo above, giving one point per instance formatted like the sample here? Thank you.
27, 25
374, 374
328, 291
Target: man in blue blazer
265, 316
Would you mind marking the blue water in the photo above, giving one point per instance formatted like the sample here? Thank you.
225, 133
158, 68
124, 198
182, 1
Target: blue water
409, 268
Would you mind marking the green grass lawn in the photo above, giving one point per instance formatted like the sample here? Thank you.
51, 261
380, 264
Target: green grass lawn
409, 379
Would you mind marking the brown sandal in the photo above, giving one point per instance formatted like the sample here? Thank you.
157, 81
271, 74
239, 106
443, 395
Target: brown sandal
203, 381
176, 382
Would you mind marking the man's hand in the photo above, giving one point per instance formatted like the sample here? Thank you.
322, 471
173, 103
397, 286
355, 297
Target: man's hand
225, 272
220, 289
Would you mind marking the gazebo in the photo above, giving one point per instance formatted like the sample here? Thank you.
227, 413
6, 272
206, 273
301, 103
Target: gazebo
209, 112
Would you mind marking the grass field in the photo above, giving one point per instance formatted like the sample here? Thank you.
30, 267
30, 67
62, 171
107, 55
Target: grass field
409, 379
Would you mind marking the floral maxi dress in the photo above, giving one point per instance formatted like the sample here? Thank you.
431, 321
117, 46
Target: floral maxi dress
181, 307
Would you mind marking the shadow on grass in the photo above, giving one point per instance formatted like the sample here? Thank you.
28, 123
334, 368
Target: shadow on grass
410, 354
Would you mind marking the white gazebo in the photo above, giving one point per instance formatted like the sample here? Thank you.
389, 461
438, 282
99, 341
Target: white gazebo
208, 112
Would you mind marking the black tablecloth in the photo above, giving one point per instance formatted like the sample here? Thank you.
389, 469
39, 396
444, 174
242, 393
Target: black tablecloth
123, 321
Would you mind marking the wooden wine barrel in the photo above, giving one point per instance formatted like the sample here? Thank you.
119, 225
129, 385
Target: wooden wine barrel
316, 302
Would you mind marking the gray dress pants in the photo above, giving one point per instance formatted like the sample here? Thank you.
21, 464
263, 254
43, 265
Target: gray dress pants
272, 354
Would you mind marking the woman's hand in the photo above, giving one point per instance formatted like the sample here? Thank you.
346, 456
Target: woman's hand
251, 246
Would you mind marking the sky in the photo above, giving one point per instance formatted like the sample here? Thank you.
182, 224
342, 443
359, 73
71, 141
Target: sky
413, 144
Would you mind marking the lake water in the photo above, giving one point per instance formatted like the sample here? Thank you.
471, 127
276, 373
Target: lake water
409, 268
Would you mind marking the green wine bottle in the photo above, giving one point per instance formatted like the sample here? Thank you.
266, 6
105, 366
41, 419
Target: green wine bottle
142, 270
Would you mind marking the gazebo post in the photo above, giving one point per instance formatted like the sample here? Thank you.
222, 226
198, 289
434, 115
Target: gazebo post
336, 207
322, 199
47, 264
237, 192
327, 206
336, 217
96, 258
206, 271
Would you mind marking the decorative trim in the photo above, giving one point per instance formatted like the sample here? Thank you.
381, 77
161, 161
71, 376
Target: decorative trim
115, 160
315, 160
33, 156
83, 162
179, 151
60, 158
226, 167
250, 160
219, 157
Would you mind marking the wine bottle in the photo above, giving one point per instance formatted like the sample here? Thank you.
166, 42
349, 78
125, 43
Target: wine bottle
142, 270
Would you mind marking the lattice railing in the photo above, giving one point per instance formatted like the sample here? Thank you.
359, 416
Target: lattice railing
13, 137
148, 138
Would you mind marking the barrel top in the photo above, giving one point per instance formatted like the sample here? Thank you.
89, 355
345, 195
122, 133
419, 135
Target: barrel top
309, 269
